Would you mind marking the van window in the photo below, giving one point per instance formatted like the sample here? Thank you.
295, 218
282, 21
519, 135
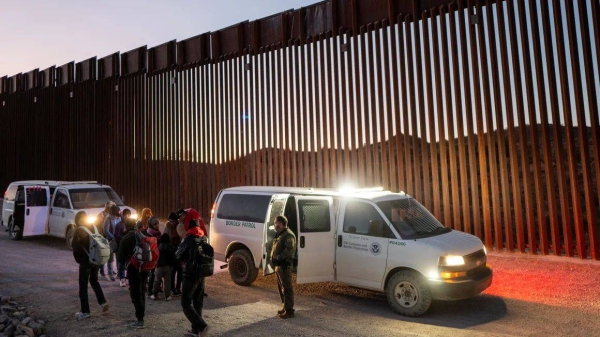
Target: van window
362, 218
61, 200
411, 219
314, 216
36, 197
11, 192
244, 207
93, 197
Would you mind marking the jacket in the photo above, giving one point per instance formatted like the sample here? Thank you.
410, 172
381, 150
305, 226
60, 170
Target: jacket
126, 247
173, 235
166, 255
192, 214
80, 244
109, 227
284, 248
184, 253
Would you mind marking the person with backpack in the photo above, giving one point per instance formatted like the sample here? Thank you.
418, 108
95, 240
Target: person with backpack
171, 230
139, 252
126, 225
86, 255
152, 230
192, 292
109, 225
100, 224
162, 272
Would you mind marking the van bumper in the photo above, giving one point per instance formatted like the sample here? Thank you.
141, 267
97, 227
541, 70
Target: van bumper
450, 290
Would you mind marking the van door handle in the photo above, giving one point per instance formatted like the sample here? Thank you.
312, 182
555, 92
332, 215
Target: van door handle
27, 212
339, 240
302, 242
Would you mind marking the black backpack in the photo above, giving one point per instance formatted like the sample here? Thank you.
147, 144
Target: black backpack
202, 261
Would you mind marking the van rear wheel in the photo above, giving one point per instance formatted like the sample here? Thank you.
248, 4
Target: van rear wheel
16, 232
241, 268
408, 293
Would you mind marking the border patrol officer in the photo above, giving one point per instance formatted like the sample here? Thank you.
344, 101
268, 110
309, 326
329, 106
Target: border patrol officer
282, 257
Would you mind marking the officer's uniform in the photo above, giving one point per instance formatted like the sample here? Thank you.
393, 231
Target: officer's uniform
282, 258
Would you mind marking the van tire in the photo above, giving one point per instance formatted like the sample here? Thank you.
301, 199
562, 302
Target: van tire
408, 293
69, 236
14, 234
241, 268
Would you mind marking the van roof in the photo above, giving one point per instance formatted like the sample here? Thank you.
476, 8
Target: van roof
363, 193
54, 183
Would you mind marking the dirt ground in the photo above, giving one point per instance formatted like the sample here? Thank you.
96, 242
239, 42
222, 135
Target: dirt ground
530, 296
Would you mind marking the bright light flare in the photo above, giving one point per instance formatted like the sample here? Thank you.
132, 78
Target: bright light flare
90, 219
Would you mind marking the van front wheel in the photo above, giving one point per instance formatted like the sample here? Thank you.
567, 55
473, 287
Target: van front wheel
16, 233
408, 293
241, 268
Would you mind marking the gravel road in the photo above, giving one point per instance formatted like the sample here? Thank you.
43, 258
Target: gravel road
530, 296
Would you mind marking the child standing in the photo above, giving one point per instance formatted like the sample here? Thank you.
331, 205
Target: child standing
166, 259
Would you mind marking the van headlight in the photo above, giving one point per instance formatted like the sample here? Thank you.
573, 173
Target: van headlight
451, 260
90, 219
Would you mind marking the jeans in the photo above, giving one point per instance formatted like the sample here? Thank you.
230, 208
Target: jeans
137, 290
89, 273
192, 300
176, 271
150, 281
111, 259
120, 270
160, 273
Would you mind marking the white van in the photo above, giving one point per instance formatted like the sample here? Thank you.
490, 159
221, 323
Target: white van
372, 239
37, 207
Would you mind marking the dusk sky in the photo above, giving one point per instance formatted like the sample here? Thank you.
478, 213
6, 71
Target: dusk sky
42, 33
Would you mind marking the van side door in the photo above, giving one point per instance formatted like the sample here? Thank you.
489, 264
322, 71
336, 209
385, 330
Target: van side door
362, 244
61, 206
276, 208
316, 241
36, 210
8, 205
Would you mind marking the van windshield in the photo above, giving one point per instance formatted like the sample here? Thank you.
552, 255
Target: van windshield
93, 197
411, 219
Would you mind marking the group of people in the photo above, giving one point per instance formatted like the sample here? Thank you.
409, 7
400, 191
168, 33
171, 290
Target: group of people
183, 232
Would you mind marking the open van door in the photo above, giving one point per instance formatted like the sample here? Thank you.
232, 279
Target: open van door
316, 239
36, 210
276, 208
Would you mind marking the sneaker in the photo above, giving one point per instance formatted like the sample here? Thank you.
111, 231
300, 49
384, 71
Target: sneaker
105, 307
112, 278
287, 315
168, 298
82, 315
152, 297
176, 293
122, 282
137, 325
280, 312
114, 273
204, 331
108, 277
